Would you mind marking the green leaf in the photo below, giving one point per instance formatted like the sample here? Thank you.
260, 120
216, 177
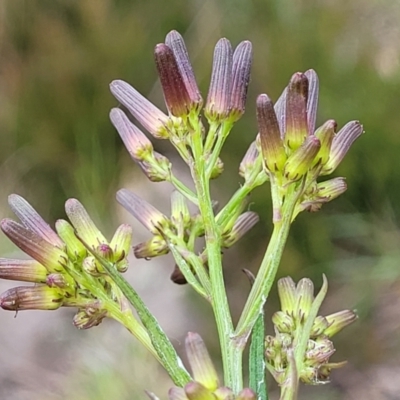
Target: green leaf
257, 360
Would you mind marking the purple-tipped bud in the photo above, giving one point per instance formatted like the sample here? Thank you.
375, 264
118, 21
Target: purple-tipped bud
280, 111
175, 92
135, 141
247, 164
154, 247
296, 111
177, 393
89, 317
144, 212
85, 227
312, 101
270, 136
338, 321
196, 391
74, 247
219, 93
242, 59
300, 161
33, 221
22, 270
92, 267
325, 134
242, 225
56, 280
34, 245
341, 144
330, 189
176, 43
200, 362
148, 115
31, 298
246, 394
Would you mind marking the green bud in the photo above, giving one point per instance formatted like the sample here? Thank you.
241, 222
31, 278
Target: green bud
224, 393
300, 161
121, 242
325, 134
218, 169
305, 298
56, 280
154, 247
283, 322
180, 215
287, 295
89, 316
74, 247
247, 165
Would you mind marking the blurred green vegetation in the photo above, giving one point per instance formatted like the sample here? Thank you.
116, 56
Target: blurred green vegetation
58, 57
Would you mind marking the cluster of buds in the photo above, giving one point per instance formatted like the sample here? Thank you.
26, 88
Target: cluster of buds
64, 266
181, 229
293, 151
205, 385
296, 304
225, 103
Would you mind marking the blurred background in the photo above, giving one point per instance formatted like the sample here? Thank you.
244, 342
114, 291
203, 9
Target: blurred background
56, 61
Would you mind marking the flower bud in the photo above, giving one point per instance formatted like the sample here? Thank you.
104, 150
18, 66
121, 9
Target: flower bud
341, 144
196, 391
338, 321
22, 270
38, 297
219, 93
89, 317
287, 295
121, 242
296, 111
177, 393
176, 43
74, 247
175, 92
248, 163
33, 221
180, 215
148, 115
56, 280
270, 137
242, 225
34, 245
305, 298
135, 141
241, 66
246, 394
84, 225
325, 134
200, 361
154, 247
177, 276
144, 212
283, 322
312, 99
299, 162
156, 167
218, 169
224, 393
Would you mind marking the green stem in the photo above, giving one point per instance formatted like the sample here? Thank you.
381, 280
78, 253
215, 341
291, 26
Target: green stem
166, 352
268, 269
231, 354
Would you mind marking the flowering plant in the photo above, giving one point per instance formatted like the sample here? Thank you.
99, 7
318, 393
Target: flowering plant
76, 266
